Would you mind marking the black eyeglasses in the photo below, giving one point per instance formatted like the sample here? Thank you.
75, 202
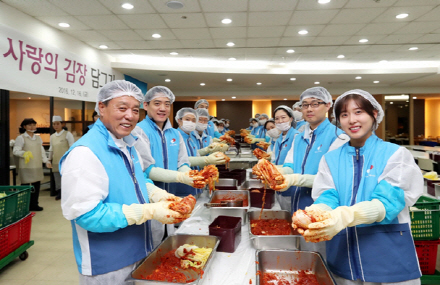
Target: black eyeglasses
314, 105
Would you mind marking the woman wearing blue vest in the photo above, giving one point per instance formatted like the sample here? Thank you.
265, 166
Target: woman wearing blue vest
255, 127
204, 104
298, 116
105, 194
227, 124
283, 121
366, 187
272, 134
187, 118
203, 139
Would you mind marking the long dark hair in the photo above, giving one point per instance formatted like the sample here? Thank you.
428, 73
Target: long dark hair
363, 103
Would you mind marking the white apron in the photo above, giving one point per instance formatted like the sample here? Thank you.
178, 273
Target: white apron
33, 171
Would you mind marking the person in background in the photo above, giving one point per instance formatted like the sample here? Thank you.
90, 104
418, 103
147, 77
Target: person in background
272, 134
204, 104
220, 129
254, 125
283, 121
187, 118
257, 116
250, 124
227, 124
105, 194
261, 133
29, 148
95, 117
60, 142
298, 116
366, 188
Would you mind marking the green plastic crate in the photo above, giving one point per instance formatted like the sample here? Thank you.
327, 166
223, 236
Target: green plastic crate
15, 205
431, 279
425, 222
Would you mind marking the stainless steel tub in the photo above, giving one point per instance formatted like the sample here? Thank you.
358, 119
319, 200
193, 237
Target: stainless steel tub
230, 211
172, 242
251, 184
273, 242
287, 263
227, 183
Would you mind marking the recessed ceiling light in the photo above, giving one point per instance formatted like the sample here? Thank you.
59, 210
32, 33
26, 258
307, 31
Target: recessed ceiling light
229, 79
402, 16
167, 80
293, 78
317, 82
156, 36
258, 83
64, 25
29, 98
232, 58
303, 32
363, 40
230, 44
285, 98
223, 99
383, 61
174, 4
358, 77
103, 47
202, 84
226, 21
414, 97
323, 1
376, 81
174, 53
413, 48
233, 97
341, 56
391, 102
127, 6
290, 51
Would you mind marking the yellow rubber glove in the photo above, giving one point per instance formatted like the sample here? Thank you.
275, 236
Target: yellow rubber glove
27, 156
302, 180
140, 213
213, 159
156, 194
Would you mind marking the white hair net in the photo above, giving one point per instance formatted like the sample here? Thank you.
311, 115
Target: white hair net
318, 93
201, 101
250, 119
202, 112
296, 105
370, 98
159, 91
285, 108
264, 115
182, 112
117, 88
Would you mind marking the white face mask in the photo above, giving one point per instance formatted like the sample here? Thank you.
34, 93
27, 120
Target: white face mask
188, 126
283, 126
31, 131
201, 127
220, 129
297, 115
226, 125
262, 122
255, 125
274, 133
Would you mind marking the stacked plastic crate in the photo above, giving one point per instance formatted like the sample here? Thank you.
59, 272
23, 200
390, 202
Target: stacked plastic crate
15, 223
426, 232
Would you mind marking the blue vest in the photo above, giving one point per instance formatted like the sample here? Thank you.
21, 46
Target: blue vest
210, 129
110, 251
380, 252
306, 157
164, 148
204, 140
256, 131
191, 147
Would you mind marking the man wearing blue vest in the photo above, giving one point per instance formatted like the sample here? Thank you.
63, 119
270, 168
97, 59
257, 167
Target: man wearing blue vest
105, 194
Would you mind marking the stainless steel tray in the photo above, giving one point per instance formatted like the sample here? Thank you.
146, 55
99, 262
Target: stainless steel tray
253, 183
227, 182
172, 242
287, 263
229, 211
273, 242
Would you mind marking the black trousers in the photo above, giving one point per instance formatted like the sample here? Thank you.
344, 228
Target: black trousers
35, 193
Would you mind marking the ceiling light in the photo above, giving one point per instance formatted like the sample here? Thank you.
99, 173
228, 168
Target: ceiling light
229, 79
413, 48
341, 56
391, 102
226, 21
230, 44
282, 63
29, 98
303, 32
363, 40
323, 1
127, 6
358, 77
232, 58
293, 78
233, 97
258, 83
414, 97
290, 51
402, 16
64, 25
376, 81
156, 36
174, 4
397, 97
167, 80
202, 84
174, 53
383, 61
223, 99
285, 98
317, 82
103, 47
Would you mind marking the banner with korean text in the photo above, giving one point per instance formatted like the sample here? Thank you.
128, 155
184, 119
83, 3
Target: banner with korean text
29, 65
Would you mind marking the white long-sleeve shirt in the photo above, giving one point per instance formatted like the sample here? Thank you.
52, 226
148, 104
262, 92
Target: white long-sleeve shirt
19, 144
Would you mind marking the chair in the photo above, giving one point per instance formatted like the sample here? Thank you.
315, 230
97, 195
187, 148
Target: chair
425, 164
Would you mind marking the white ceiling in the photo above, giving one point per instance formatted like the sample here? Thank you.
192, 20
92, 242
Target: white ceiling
262, 31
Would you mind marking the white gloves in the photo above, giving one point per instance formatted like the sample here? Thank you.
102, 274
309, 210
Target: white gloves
366, 212
140, 213
301, 180
206, 160
156, 194
165, 175
204, 151
215, 140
